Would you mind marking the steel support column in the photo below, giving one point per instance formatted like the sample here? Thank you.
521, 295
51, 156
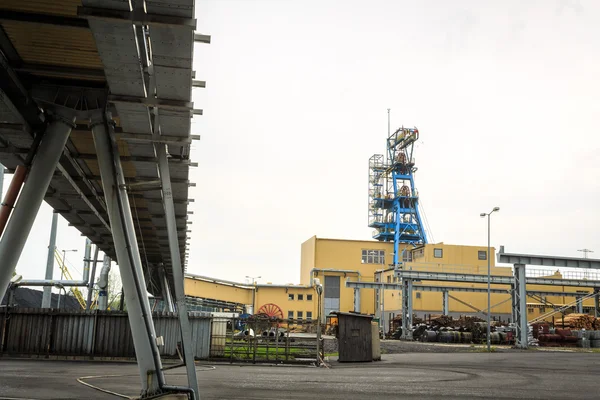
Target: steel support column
520, 296
128, 258
92, 280
579, 305
47, 296
597, 302
407, 308
31, 196
166, 292
445, 305
356, 300
103, 284
176, 266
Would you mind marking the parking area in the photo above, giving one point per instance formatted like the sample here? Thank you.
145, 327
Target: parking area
518, 375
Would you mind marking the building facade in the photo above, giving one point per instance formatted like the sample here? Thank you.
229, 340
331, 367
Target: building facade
333, 261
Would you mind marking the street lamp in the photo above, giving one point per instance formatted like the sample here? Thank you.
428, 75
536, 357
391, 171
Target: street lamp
62, 270
253, 278
489, 302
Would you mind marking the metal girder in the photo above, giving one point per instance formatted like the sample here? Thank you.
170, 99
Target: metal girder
444, 288
47, 19
494, 279
8, 49
166, 139
68, 196
547, 261
178, 105
136, 17
198, 37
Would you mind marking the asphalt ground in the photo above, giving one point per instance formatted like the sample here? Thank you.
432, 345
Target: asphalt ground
467, 375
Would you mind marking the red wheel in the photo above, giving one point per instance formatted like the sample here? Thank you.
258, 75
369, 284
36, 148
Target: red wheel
271, 310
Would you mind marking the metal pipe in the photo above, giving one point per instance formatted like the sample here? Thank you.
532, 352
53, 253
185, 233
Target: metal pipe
45, 282
31, 197
128, 258
176, 267
103, 284
11, 195
47, 296
92, 279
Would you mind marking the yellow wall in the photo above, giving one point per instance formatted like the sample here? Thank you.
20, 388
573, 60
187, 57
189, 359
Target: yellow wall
218, 291
307, 259
280, 297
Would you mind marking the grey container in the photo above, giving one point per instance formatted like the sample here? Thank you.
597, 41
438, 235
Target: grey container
583, 343
594, 335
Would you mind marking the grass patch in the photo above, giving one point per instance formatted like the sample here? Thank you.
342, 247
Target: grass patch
484, 349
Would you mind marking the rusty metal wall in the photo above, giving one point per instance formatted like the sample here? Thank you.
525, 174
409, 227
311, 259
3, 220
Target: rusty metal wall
92, 333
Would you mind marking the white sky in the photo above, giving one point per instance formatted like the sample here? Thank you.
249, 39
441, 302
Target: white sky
505, 96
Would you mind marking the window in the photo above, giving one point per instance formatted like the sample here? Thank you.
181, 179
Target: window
407, 256
438, 253
530, 310
418, 295
290, 315
300, 297
300, 314
290, 296
417, 253
482, 255
389, 279
309, 315
373, 257
309, 297
542, 310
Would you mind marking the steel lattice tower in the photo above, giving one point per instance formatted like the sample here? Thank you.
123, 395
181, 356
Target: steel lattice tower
393, 199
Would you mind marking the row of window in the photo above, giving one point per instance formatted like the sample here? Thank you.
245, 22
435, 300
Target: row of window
300, 297
378, 256
300, 315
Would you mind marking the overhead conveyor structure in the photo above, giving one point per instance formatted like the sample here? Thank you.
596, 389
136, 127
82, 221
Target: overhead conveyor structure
411, 273
95, 116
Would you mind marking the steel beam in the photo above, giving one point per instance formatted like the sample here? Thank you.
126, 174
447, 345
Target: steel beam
176, 267
46, 19
128, 258
547, 261
136, 17
92, 280
31, 196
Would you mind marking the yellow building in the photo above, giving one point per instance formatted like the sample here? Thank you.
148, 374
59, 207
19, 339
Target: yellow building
333, 261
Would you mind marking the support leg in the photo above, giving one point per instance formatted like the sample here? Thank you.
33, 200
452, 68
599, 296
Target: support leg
521, 306
31, 197
128, 258
47, 296
357, 300
579, 305
166, 292
92, 280
407, 308
445, 300
176, 267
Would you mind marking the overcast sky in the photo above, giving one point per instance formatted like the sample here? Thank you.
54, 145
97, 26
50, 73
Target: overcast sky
504, 93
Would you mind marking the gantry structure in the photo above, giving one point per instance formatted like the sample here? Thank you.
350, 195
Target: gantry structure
95, 119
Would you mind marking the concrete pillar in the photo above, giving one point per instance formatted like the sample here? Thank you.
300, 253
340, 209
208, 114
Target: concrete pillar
103, 284
521, 306
176, 266
31, 196
128, 258
47, 296
445, 306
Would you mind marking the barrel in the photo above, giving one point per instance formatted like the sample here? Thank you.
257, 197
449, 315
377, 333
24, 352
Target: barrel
467, 337
429, 336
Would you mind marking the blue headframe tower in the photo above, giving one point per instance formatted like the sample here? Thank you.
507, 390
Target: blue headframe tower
393, 199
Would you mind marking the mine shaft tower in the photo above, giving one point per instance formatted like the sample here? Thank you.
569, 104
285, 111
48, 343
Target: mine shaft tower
393, 198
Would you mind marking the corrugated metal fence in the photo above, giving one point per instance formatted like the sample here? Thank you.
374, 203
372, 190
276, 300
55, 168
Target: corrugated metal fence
28, 331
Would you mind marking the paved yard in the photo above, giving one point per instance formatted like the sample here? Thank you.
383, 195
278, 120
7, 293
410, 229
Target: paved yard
514, 375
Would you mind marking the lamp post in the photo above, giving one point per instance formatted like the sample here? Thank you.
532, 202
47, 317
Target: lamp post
253, 278
64, 260
489, 302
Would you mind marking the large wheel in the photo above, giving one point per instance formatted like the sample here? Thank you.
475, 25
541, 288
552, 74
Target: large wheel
271, 310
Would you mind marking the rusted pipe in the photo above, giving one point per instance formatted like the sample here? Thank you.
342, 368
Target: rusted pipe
11, 195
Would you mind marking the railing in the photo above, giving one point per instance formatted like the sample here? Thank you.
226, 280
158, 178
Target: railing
265, 340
